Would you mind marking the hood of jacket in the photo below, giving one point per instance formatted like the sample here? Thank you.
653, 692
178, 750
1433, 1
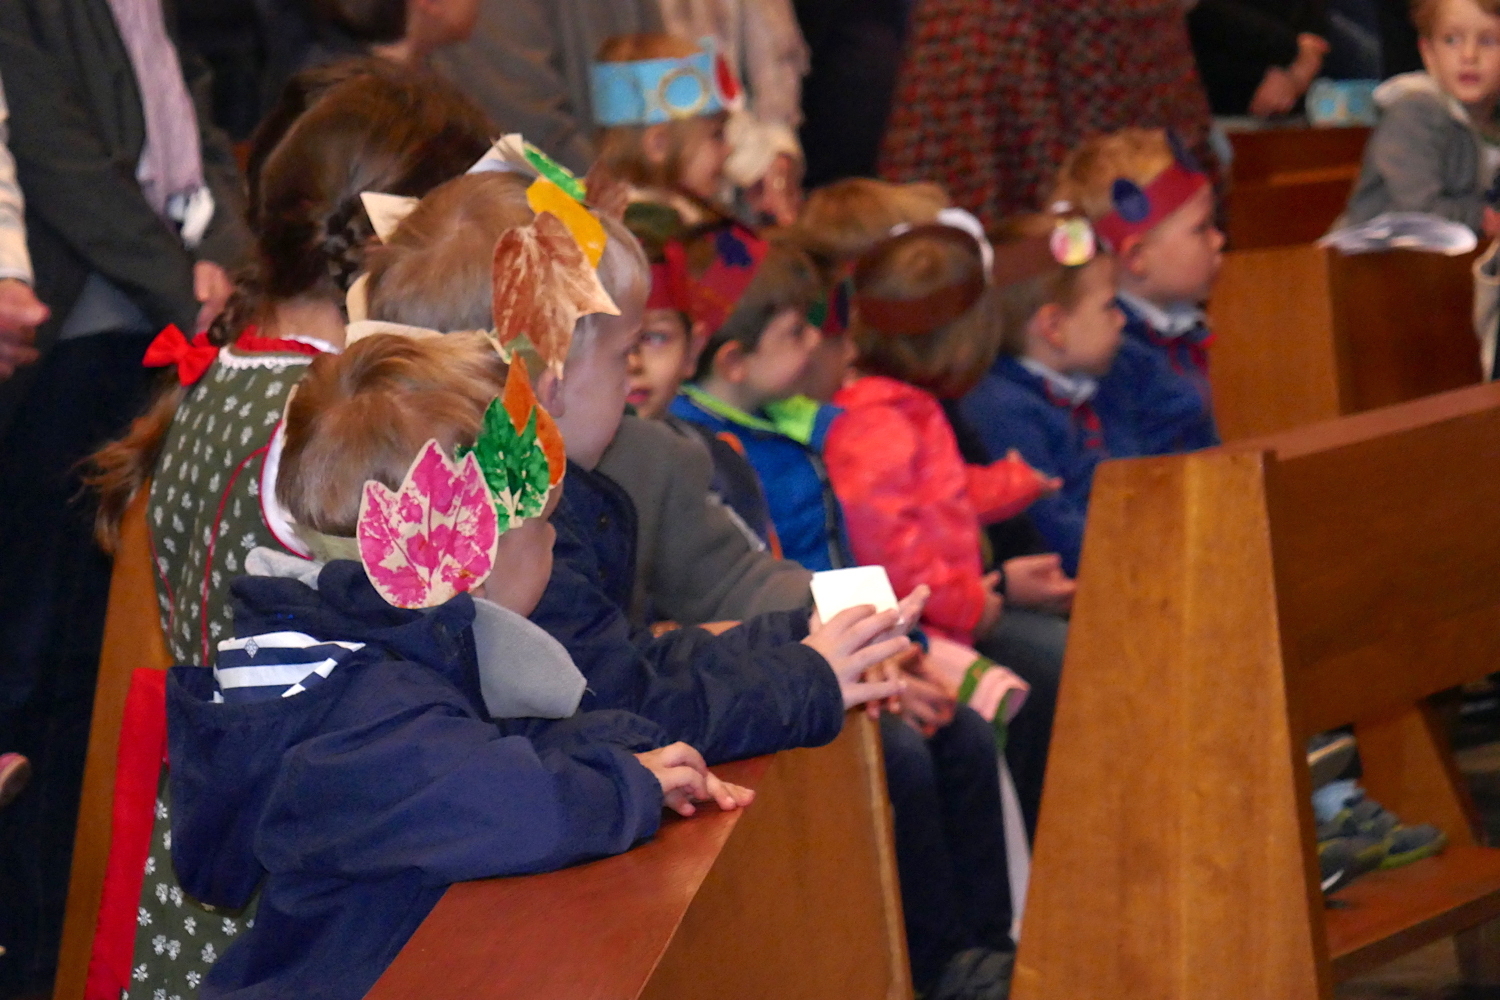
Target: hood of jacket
1421, 83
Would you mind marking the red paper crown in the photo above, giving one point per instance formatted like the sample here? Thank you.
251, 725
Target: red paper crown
1138, 210
710, 299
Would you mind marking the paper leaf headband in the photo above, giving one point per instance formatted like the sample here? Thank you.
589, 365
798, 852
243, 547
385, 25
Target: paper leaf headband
433, 538
655, 91
543, 283
1069, 243
520, 451
710, 298
1138, 210
914, 317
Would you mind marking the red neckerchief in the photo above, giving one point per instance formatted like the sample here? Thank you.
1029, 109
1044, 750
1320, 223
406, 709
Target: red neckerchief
251, 342
1194, 347
1084, 417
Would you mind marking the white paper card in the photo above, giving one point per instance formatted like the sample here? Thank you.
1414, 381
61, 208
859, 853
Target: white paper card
835, 590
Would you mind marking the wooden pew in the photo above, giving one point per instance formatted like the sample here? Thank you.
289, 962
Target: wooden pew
1232, 603
1303, 334
795, 897
1288, 185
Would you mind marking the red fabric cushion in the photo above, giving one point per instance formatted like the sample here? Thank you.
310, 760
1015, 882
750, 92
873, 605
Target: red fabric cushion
143, 751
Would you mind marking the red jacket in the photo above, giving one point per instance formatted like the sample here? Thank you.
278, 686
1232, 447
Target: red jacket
912, 505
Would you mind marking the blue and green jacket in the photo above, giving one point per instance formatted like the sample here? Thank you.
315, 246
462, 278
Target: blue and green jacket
784, 443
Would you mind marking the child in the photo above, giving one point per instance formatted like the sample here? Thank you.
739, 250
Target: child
1060, 329
344, 747
1155, 211
661, 105
1436, 148
762, 687
757, 297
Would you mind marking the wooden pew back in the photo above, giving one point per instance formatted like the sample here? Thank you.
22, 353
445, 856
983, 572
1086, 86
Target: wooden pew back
1288, 185
1232, 602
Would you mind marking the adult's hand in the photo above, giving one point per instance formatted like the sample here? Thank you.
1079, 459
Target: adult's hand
212, 288
1276, 95
20, 314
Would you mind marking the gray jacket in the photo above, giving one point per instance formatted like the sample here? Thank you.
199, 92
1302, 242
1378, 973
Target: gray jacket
694, 564
527, 64
1424, 156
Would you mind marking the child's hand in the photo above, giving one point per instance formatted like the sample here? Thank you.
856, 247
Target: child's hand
896, 668
1039, 582
850, 644
685, 779
926, 706
993, 604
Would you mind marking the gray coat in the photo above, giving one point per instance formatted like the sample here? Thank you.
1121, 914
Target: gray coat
694, 564
1424, 156
527, 64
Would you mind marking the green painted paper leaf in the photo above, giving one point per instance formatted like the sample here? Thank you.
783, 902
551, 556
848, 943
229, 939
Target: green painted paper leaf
514, 464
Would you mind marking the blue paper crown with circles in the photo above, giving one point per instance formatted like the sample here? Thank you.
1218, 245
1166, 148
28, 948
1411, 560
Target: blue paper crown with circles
655, 91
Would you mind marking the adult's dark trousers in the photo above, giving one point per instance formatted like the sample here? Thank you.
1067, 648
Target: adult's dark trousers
54, 585
950, 840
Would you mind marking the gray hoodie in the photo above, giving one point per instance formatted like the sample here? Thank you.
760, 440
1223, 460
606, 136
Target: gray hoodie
1424, 156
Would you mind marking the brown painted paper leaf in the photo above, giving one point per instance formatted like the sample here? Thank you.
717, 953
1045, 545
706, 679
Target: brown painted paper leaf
543, 283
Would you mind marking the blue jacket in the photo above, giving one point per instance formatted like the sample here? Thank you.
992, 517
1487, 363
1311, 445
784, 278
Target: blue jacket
1011, 408
788, 456
1162, 385
359, 800
755, 689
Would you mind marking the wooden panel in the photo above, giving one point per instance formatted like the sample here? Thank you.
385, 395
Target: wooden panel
132, 639
1273, 362
798, 890
1405, 323
1408, 767
1386, 914
1265, 154
1175, 840
1289, 185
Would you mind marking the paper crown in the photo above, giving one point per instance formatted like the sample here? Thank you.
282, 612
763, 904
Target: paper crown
710, 298
1137, 210
1069, 243
655, 91
936, 309
437, 535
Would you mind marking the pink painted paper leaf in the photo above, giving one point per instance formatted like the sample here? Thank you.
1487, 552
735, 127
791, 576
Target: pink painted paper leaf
432, 539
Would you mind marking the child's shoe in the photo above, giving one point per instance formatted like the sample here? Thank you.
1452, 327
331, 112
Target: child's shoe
15, 771
1356, 815
975, 974
1341, 860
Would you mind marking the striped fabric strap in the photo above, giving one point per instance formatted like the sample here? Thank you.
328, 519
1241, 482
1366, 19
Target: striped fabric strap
275, 665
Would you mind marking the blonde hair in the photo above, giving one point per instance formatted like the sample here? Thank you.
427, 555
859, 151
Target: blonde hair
364, 414
948, 360
841, 221
436, 270
1088, 174
1424, 13
1018, 301
622, 148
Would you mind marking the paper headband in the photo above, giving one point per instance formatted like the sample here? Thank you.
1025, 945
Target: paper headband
437, 535
711, 298
1138, 210
938, 308
1070, 243
964, 221
655, 91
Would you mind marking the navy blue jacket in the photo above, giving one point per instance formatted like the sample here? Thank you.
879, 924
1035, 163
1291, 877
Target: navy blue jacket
1162, 384
755, 689
1011, 408
358, 801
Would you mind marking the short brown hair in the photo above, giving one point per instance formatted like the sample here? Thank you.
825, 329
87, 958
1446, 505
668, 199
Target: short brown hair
364, 414
846, 218
437, 269
1424, 13
622, 147
1020, 300
948, 360
1089, 172
786, 279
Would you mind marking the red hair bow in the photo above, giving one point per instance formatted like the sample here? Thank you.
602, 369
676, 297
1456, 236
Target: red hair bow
191, 358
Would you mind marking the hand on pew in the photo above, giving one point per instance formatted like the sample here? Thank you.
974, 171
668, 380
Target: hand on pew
686, 780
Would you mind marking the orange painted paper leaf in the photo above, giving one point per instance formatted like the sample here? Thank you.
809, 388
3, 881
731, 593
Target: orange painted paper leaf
519, 400
543, 283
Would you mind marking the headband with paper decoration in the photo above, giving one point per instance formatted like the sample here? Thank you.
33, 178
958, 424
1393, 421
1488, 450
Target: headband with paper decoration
711, 297
1071, 242
436, 536
1137, 210
656, 91
939, 307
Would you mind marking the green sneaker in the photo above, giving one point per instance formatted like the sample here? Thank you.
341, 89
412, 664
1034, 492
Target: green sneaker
1363, 817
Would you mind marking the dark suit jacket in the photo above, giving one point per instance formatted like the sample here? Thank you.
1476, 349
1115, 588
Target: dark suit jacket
76, 129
